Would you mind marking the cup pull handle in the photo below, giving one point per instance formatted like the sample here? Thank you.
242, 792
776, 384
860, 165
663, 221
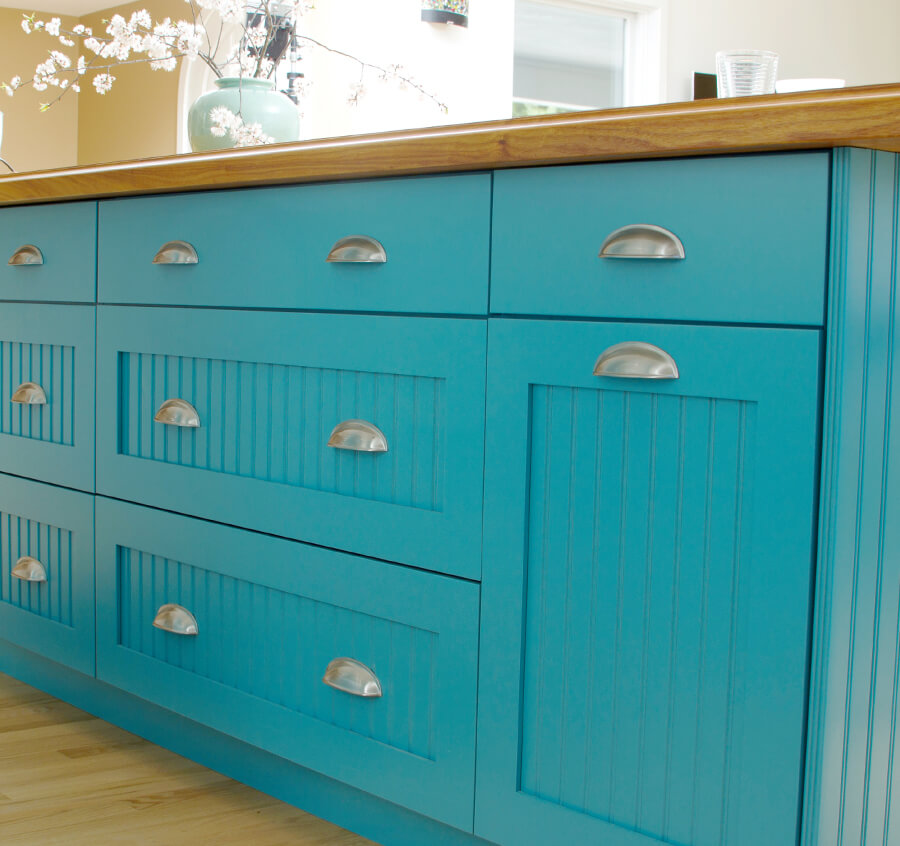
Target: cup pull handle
642, 241
358, 435
29, 393
359, 249
352, 677
175, 619
176, 252
27, 254
636, 360
29, 569
177, 412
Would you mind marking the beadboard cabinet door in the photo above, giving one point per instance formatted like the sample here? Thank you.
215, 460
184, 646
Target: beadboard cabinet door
269, 390
646, 585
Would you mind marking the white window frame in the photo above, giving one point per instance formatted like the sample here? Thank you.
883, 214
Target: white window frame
645, 44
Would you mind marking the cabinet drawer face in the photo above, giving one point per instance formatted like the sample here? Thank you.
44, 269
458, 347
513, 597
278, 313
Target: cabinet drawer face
648, 555
268, 390
753, 229
63, 239
47, 571
434, 232
47, 393
271, 616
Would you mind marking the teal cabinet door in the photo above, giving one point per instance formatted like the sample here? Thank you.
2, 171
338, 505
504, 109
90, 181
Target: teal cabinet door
269, 391
646, 584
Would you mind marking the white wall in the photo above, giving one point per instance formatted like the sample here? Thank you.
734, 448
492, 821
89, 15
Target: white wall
854, 40
469, 69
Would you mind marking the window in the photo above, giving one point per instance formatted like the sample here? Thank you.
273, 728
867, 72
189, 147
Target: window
586, 54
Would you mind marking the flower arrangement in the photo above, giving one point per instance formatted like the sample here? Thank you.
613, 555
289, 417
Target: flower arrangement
243, 38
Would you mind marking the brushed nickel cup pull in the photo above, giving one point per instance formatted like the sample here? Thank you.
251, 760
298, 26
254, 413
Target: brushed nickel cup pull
176, 252
175, 619
636, 360
352, 677
27, 254
177, 412
29, 393
358, 249
642, 241
358, 435
29, 569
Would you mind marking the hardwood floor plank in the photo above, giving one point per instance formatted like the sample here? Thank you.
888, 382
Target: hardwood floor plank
68, 778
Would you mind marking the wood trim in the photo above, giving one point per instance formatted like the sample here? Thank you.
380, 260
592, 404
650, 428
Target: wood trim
859, 117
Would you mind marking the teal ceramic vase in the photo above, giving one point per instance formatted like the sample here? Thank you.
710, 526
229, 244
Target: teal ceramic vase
255, 99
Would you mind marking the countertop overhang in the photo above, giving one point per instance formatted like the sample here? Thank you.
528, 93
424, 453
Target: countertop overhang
867, 117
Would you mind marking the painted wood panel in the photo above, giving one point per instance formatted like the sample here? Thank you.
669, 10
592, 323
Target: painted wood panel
52, 346
55, 526
269, 389
66, 235
271, 615
852, 788
736, 264
435, 232
272, 422
648, 553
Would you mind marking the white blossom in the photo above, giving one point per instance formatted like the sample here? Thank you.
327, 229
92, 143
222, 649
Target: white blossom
81, 65
224, 121
61, 59
66, 42
27, 25
52, 27
103, 82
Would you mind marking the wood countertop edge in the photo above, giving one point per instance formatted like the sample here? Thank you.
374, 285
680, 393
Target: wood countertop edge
862, 117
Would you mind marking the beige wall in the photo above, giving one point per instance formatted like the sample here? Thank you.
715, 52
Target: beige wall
34, 140
138, 117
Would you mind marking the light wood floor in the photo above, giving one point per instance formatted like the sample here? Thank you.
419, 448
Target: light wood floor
69, 778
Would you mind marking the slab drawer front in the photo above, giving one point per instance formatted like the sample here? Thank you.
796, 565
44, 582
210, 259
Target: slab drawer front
434, 232
49, 253
47, 393
651, 551
753, 230
271, 616
269, 389
47, 571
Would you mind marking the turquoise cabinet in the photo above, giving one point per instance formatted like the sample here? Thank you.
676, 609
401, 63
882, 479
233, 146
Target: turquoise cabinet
271, 617
648, 560
47, 571
269, 391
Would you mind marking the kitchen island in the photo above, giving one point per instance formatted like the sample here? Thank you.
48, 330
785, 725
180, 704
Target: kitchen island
524, 482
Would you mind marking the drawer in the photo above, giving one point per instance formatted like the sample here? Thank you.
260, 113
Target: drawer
268, 247
271, 617
47, 571
47, 364
268, 391
753, 230
65, 238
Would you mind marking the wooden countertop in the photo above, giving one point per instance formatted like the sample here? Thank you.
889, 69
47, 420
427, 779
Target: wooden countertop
859, 117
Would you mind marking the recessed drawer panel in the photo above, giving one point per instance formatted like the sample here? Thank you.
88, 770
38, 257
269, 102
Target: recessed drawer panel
357, 432
251, 625
47, 393
47, 571
49, 252
417, 245
753, 231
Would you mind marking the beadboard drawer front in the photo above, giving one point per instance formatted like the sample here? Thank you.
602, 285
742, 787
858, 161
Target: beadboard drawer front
47, 353
268, 390
268, 247
63, 238
271, 616
646, 586
753, 229
47, 605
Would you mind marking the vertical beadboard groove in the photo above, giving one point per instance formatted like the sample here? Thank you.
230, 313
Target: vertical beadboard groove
853, 720
147, 581
678, 689
248, 431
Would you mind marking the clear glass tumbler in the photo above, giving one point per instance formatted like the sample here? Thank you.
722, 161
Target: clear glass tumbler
740, 73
